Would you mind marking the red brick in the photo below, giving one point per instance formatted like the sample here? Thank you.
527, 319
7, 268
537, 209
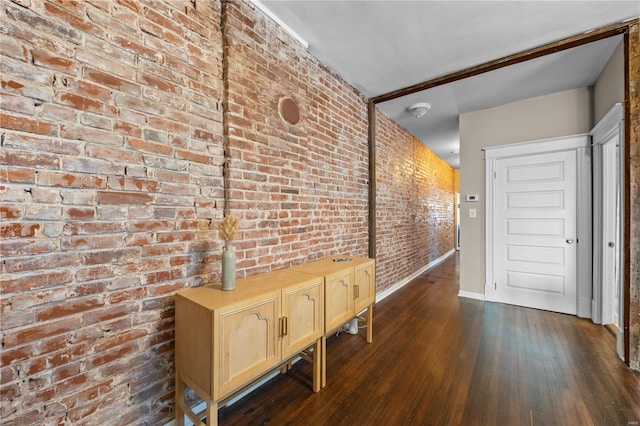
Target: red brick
9, 284
72, 20
35, 365
87, 289
119, 339
80, 102
91, 135
190, 71
112, 355
112, 81
85, 242
40, 331
124, 295
55, 62
128, 184
90, 228
71, 384
110, 256
22, 247
192, 156
169, 288
17, 175
112, 153
131, 4
7, 374
149, 147
70, 180
163, 21
10, 356
120, 197
109, 312
128, 129
18, 230
70, 307
156, 277
65, 371
77, 213
23, 124
168, 237
9, 391
158, 83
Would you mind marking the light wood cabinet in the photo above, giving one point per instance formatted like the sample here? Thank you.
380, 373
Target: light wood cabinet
350, 289
227, 339
339, 297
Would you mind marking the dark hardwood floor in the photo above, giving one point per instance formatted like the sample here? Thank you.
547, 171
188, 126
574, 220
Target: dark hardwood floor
437, 359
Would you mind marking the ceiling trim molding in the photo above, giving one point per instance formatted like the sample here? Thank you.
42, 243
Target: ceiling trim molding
536, 52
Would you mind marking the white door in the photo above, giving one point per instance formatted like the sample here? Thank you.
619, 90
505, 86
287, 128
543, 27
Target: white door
535, 231
610, 232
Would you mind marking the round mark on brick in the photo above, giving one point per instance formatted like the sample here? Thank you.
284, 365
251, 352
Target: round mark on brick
289, 111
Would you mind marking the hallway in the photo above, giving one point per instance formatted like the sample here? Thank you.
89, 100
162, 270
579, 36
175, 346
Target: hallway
437, 359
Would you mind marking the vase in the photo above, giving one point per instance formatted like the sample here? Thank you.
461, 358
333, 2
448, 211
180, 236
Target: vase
228, 268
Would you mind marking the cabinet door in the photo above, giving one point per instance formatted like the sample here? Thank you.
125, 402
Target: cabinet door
338, 299
364, 288
248, 342
302, 316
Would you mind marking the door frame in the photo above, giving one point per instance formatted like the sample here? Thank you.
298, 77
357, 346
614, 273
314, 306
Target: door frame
611, 124
581, 145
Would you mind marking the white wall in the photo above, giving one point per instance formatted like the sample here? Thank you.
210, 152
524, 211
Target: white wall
555, 115
609, 89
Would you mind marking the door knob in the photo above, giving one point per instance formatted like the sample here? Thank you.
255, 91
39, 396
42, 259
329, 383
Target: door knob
569, 241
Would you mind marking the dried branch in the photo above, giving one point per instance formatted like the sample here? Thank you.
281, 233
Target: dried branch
228, 228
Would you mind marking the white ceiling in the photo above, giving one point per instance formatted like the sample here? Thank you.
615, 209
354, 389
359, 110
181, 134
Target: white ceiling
382, 46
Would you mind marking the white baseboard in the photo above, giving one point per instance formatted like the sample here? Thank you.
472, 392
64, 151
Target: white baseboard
471, 295
584, 307
389, 291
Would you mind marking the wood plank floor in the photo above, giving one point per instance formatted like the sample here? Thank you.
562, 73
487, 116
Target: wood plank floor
437, 359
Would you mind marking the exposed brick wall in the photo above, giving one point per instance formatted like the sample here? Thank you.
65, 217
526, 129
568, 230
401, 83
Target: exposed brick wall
111, 135
114, 120
414, 204
301, 190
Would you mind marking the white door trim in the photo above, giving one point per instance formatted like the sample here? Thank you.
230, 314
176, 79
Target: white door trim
579, 143
610, 125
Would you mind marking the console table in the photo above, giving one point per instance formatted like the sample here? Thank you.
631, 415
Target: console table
225, 340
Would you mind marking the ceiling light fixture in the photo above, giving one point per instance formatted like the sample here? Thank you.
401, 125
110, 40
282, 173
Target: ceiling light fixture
419, 109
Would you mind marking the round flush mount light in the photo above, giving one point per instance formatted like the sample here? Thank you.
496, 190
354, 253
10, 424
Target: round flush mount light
419, 109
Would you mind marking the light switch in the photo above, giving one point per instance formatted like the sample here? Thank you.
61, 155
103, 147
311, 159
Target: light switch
472, 213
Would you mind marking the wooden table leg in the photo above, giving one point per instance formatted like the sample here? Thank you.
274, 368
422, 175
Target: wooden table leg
370, 323
323, 361
318, 361
212, 413
179, 400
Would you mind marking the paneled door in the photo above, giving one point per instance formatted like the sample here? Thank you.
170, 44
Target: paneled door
535, 231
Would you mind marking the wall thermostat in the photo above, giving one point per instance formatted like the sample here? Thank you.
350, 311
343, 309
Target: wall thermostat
472, 197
